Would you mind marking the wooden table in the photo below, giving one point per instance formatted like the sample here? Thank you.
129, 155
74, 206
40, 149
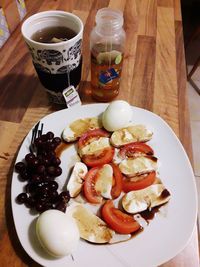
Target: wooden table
153, 78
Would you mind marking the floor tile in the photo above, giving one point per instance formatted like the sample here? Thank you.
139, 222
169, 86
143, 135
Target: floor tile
192, 51
196, 75
195, 127
194, 102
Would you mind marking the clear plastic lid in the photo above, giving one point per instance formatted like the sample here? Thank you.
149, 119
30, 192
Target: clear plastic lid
109, 20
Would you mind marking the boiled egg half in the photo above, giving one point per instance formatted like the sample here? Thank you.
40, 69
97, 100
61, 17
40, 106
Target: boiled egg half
117, 115
57, 233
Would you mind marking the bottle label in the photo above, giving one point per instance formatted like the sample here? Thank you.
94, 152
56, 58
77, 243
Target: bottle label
107, 76
106, 67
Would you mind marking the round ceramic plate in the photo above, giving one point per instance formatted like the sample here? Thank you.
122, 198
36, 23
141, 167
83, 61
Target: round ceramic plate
165, 236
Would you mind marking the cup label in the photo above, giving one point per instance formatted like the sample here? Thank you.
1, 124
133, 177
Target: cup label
71, 96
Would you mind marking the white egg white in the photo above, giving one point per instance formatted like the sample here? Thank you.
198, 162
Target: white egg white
117, 115
57, 233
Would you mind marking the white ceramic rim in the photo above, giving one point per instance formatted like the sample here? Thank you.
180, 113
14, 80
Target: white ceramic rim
51, 13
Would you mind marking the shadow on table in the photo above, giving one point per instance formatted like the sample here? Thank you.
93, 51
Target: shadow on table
11, 228
19, 91
16, 92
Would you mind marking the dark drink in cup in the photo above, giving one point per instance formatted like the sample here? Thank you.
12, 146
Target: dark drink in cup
54, 39
56, 83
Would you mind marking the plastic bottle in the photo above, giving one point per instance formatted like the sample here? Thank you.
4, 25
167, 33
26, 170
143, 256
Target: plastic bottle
107, 42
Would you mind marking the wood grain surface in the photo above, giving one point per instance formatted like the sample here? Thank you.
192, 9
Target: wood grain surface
153, 77
11, 13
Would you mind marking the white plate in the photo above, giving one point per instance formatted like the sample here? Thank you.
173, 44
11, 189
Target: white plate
166, 235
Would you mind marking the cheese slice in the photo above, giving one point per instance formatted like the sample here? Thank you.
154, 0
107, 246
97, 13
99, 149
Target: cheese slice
104, 181
78, 127
117, 238
76, 179
117, 157
95, 146
91, 227
147, 198
134, 133
137, 166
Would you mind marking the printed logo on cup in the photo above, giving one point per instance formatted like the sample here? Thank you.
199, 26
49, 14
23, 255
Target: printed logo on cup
56, 60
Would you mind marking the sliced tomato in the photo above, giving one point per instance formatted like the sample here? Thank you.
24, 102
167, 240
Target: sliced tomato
89, 186
92, 134
118, 220
130, 149
146, 181
117, 177
102, 157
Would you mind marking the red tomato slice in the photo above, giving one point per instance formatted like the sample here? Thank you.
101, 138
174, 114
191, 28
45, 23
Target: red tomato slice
130, 149
129, 185
96, 133
118, 220
103, 157
88, 187
117, 186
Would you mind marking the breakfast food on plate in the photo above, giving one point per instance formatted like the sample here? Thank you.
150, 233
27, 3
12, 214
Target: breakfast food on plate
94, 148
103, 181
116, 179
98, 183
119, 221
57, 232
75, 129
117, 115
133, 133
138, 165
121, 167
91, 227
76, 179
139, 182
40, 169
135, 149
147, 198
